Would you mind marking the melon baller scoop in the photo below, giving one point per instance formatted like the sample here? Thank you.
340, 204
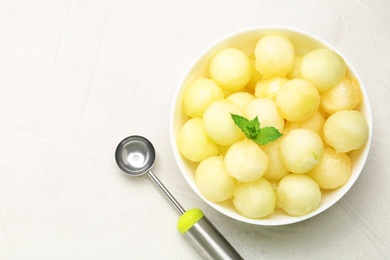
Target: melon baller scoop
135, 155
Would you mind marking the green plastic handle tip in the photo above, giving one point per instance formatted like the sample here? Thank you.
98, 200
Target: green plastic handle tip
189, 219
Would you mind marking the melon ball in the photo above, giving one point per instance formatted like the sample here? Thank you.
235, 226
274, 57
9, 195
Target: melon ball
333, 170
346, 130
256, 76
294, 73
213, 180
241, 98
266, 111
298, 194
276, 169
219, 124
346, 95
315, 123
268, 88
198, 95
245, 161
323, 113
298, 100
274, 56
224, 149
231, 69
193, 142
254, 199
300, 150
322, 67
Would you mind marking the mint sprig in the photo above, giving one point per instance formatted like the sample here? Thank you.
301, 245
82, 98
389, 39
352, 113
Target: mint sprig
252, 130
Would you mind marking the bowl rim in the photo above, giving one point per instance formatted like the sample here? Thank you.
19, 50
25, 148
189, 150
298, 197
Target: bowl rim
341, 191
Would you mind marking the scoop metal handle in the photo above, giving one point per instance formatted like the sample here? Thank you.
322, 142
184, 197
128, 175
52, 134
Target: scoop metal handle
209, 242
135, 155
166, 192
199, 231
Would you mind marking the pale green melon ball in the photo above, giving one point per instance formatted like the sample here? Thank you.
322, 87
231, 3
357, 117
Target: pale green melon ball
269, 88
254, 199
322, 67
345, 95
333, 170
256, 76
241, 98
315, 123
294, 73
198, 95
246, 161
346, 130
276, 169
266, 111
219, 124
231, 69
297, 100
300, 150
274, 56
298, 194
213, 181
193, 142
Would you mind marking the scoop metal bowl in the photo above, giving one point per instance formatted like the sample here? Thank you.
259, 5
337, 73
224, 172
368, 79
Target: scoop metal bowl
135, 155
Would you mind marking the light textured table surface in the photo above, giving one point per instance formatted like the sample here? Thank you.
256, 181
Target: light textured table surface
77, 76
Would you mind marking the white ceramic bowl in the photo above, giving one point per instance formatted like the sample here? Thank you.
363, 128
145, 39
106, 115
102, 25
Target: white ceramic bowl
246, 40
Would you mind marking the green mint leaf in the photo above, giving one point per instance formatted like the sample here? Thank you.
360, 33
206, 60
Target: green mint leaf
267, 135
252, 130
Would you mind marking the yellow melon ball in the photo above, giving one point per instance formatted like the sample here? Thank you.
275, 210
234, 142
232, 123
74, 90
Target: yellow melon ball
333, 170
268, 88
256, 76
346, 95
322, 67
219, 124
323, 113
298, 194
241, 98
276, 169
274, 56
294, 73
298, 100
315, 123
231, 69
266, 111
193, 142
346, 130
301, 150
254, 199
198, 94
245, 161
224, 149
213, 180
